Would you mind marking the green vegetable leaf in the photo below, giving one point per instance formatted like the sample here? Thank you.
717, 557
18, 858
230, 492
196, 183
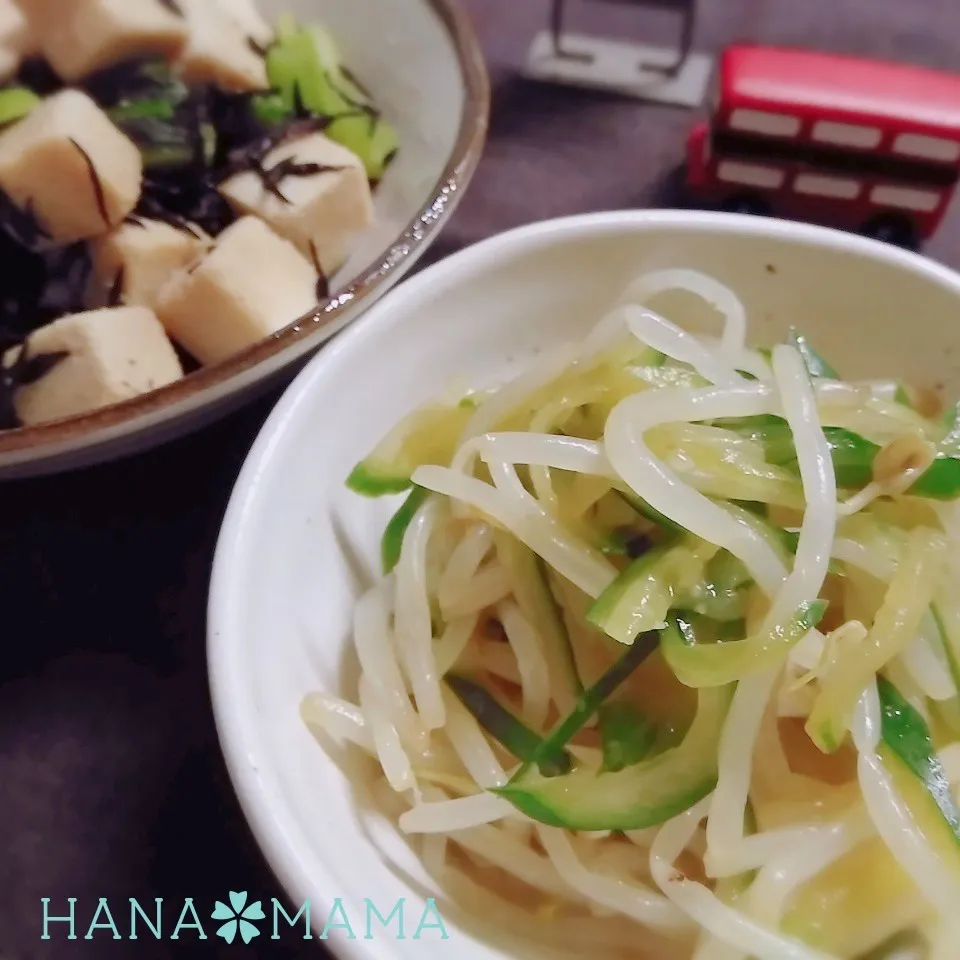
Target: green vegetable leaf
16, 103
158, 112
305, 74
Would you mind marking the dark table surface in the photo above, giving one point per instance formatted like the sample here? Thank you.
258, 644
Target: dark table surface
111, 781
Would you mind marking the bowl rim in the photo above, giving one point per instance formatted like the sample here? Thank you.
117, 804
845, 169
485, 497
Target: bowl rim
228, 675
443, 199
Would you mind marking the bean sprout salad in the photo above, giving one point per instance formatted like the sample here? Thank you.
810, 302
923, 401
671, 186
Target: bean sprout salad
666, 653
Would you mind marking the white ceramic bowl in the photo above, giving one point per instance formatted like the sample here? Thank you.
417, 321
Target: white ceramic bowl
422, 62
296, 545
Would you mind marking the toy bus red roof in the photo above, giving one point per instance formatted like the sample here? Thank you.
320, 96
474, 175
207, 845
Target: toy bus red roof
848, 88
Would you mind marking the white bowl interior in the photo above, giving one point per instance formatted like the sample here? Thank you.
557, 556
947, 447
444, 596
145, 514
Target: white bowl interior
297, 546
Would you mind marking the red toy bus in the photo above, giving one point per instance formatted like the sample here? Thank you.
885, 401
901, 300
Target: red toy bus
853, 143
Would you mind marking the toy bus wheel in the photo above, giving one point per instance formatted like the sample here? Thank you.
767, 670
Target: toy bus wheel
893, 229
747, 203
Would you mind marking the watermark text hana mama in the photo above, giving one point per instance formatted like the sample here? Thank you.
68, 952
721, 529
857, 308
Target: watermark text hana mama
238, 918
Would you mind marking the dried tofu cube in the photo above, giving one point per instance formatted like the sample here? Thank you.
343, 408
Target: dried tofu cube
218, 51
110, 356
250, 285
68, 164
134, 262
321, 204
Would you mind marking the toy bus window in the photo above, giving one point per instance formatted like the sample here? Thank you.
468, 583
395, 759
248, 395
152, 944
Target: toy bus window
760, 121
846, 134
906, 198
928, 148
819, 186
750, 175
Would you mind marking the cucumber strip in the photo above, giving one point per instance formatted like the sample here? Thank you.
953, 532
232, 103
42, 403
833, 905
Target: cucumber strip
645, 510
504, 727
947, 712
641, 596
526, 572
375, 480
906, 737
624, 543
902, 396
627, 735
854, 663
816, 365
852, 455
706, 599
429, 435
613, 544
727, 572
719, 595
717, 664
643, 795
785, 542
590, 701
946, 616
392, 542
644, 592
782, 541
940, 481
950, 444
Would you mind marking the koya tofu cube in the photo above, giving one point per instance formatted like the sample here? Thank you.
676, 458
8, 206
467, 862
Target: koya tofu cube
315, 194
251, 284
112, 355
139, 258
16, 39
79, 37
218, 51
72, 167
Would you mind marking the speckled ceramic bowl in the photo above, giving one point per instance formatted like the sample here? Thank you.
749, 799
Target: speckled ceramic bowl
424, 65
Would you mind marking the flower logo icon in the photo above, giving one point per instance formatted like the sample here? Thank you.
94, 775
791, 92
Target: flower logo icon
239, 918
